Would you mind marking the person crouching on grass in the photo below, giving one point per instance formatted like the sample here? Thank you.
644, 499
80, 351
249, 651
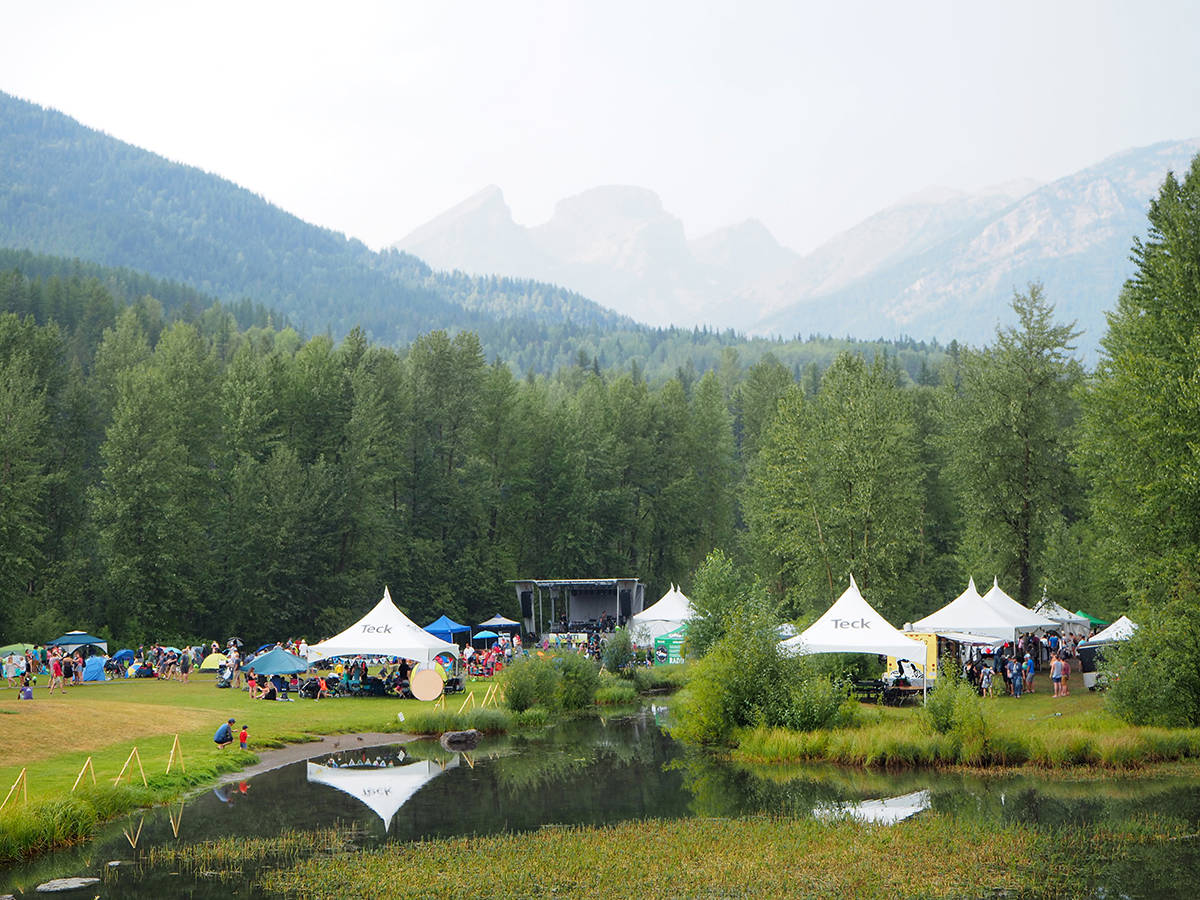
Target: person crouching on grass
224, 736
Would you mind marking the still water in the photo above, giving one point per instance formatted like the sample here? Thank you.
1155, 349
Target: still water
592, 772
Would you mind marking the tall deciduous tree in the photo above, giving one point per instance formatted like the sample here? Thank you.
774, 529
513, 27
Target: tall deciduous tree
835, 490
1010, 431
1142, 415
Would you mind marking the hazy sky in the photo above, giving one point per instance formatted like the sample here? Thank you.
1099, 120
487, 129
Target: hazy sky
371, 118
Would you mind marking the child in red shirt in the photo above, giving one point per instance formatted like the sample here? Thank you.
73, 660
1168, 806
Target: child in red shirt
244, 736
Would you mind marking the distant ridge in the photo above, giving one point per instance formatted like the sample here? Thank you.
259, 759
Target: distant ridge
939, 264
71, 191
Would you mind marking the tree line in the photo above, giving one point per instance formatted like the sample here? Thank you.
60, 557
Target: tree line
171, 478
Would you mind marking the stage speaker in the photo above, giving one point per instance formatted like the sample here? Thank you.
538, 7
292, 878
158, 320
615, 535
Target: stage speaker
527, 604
626, 604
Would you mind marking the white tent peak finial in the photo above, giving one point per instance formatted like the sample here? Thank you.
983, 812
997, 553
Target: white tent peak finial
995, 581
853, 584
971, 583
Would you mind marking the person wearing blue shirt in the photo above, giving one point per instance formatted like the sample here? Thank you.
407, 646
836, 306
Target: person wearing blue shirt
224, 736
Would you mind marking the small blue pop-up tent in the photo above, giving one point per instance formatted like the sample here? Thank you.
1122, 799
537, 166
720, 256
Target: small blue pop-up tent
446, 628
93, 669
277, 662
125, 656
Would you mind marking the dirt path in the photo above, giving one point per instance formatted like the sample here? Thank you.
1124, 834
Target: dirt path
333, 743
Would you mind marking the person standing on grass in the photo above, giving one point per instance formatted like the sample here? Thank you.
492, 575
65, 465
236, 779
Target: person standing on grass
1056, 674
56, 673
1065, 688
244, 736
985, 681
1029, 673
1014, 677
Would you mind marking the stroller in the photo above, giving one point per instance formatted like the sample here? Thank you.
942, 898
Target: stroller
224, 676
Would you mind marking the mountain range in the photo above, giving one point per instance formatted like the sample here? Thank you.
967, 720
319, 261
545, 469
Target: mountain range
941, 264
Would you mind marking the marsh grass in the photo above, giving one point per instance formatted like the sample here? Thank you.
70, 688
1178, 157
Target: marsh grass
618, 693
932, 855
437, 721
987, 734
226, 857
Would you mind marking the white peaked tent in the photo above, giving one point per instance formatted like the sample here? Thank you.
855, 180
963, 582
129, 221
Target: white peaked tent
1119, 630
967, 612
1022, 618
852, 625
662, 618
384, 631
1072, 622
384, 789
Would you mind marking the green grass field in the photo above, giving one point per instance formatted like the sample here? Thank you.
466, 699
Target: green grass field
52, 736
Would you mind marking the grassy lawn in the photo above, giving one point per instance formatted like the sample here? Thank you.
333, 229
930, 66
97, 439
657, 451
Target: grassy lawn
53, 735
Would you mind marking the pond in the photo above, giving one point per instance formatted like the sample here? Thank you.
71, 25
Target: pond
593, 771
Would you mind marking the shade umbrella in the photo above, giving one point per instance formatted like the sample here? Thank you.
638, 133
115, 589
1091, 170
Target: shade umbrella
485, 636
276, 662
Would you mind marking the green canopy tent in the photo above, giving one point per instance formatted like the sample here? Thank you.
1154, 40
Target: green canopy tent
15, 648
1092, 619
672, 642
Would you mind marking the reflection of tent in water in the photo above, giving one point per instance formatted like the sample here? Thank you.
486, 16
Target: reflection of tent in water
384, 789
882, 812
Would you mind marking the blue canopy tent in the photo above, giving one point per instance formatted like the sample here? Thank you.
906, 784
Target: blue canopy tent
93, 669
73, 640
276, 662
446, 628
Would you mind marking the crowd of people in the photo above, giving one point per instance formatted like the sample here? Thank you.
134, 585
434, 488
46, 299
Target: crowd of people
1017, 664
58, 666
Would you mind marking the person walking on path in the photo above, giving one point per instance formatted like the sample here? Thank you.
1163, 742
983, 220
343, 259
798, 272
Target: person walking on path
224, 736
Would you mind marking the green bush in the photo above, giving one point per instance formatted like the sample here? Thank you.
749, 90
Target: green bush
530, 682
659, 678
618, 652
1154, 677
816, 702
534, 717
579, 678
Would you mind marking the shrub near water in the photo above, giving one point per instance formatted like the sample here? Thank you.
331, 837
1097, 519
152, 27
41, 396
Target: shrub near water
530, 682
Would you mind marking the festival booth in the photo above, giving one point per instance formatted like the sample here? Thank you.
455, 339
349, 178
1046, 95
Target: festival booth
445, 628
668, 648
1069, 622
384, 631
1091, 651
93, 669
74, 640
852, 625
1092, 620
665, 616
498, 621
1023, 619
383, 789
967, 613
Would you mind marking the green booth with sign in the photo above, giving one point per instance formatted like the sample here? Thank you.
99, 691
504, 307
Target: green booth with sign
672, 643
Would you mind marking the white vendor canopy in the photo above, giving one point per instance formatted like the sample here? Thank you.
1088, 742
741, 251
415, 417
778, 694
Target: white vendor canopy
384, 789
967, 613
852, 625
669, 613
1072, 622
1119, 630
1022, 618
384, 631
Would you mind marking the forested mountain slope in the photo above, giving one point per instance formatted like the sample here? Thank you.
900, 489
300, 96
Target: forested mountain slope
69, 190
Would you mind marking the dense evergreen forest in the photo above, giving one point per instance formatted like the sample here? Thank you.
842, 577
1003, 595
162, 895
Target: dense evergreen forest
172, 467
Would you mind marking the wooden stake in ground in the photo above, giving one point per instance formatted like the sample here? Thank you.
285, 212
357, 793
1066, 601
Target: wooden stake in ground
87, 767
176, 754
23, 783
132, 756
470, 701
